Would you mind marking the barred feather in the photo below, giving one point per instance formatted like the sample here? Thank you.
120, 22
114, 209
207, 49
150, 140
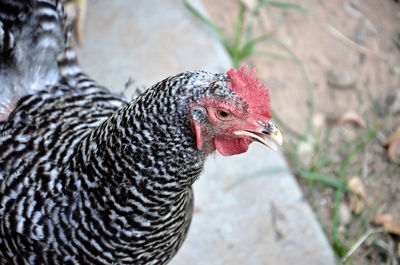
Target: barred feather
85, 177
31, 37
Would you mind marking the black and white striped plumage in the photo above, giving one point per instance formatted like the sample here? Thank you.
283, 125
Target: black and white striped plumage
85, 177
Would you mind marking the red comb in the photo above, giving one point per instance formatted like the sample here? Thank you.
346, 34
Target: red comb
250, 89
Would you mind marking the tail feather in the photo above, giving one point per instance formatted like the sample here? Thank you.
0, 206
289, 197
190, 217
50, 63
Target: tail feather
11, 14
34, 53
40, 40
6, 38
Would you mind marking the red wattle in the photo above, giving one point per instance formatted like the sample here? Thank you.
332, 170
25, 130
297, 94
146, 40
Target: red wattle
229, 147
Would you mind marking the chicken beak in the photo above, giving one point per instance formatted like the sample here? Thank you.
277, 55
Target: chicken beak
270, 136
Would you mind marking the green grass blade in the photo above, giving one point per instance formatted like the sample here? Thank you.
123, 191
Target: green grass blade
369, 135
261, 4
248, 48
239, 29
338, 247
360, 241
323, 179
287, 6
309, 129
281, 5
355, 142
211, 26
365, 139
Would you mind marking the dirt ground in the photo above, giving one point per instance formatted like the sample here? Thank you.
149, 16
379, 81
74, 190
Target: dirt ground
350, 50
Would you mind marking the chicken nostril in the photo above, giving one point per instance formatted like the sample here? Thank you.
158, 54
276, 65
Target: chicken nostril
270, 128
262, 123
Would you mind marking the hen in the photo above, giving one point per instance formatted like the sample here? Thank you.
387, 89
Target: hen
85, 176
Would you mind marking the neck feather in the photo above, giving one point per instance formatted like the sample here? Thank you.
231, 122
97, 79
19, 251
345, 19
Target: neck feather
147, 147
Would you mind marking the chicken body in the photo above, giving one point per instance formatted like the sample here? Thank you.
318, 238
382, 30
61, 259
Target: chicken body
90, 179
85, 176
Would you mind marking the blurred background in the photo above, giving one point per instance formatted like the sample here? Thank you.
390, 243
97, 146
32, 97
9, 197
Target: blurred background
333, 70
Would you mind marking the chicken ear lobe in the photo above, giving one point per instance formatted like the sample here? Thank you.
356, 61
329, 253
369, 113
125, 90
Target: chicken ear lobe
198, 132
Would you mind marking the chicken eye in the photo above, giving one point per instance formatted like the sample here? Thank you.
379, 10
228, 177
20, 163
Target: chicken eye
221, 114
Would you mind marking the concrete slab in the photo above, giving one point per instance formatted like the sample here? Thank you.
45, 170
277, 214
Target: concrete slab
147, 41
238, 219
